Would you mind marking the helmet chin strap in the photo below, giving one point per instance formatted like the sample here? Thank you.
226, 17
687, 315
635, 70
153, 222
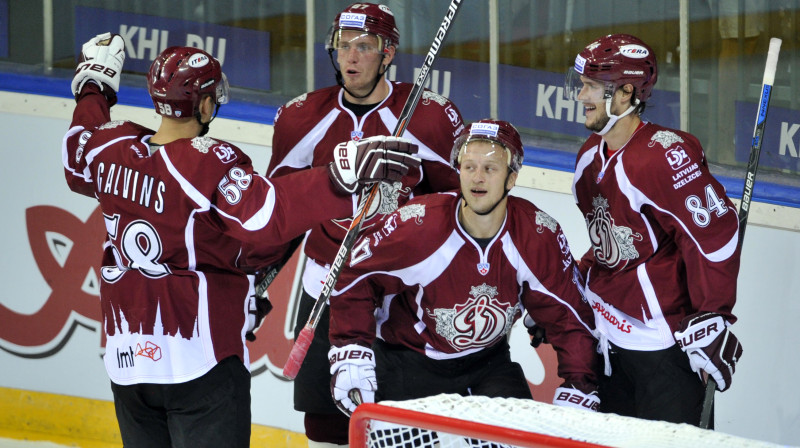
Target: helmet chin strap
612, 119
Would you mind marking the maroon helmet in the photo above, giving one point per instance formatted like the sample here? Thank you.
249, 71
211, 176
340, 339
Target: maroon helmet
369, 18
180, 76
616, 59
498, 131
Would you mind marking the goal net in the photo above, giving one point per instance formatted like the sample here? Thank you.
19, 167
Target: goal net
450, 421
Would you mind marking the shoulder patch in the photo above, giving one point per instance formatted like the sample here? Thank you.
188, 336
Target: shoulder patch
544, 220
111, 124
665, 138
428, 96
415, 211
297, 101
203, 143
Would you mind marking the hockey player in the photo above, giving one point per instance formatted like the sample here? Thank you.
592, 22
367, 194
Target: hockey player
363, 42
434, 288
661, 270
177, 207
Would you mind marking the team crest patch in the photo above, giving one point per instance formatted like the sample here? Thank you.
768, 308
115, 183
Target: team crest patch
545, 220
665, 138
612, 244
460, 327
203, 143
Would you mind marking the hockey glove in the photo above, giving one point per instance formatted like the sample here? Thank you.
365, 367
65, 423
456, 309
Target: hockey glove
259, 307
534, 330
710, 346
353, 378
100, 61
374, 159
577, 395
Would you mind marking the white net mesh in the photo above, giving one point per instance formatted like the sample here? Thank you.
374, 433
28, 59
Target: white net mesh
534, 417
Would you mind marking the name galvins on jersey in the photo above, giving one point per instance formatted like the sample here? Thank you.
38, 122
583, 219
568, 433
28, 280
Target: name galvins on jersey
173, 297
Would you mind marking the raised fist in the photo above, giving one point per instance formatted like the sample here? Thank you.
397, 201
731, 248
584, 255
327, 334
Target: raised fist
100, 61
374, 159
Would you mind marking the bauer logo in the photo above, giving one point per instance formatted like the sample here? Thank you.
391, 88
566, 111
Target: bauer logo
352, 20
198, 60
580, 63
484, 129
634, 51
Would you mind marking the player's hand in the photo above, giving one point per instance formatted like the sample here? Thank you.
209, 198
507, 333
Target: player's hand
710, 346
374, 159
535, 331
353, 378
577, 395
100, 61
258, 308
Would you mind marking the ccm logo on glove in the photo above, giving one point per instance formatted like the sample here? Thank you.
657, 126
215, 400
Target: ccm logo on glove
351, 354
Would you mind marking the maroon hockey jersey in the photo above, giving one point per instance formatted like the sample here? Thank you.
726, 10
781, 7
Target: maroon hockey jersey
418, 280
663, 236
309, 126
173, 295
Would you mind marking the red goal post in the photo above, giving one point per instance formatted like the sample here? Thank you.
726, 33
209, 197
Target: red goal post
450, 421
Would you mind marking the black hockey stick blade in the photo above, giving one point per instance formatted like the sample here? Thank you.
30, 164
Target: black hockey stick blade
298, 353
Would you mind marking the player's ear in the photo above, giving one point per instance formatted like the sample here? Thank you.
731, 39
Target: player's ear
207, 106
511, 180
388, 56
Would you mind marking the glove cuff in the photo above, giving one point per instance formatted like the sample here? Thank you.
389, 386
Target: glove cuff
574, 398
352, 354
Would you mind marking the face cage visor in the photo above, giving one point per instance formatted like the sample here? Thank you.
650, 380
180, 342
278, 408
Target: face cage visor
578, 87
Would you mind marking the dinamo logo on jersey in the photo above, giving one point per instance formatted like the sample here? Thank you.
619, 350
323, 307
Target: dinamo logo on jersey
386, 201
478, 322
612, 244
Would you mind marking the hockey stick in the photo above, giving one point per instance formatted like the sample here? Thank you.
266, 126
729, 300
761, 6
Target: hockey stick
301, 345
749, 181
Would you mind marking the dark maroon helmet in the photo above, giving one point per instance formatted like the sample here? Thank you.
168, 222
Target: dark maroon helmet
616, 59
180, 76
498, 131
369, 18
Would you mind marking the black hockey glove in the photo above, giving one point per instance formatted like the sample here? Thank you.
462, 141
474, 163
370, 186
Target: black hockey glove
534, 330
259, 307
